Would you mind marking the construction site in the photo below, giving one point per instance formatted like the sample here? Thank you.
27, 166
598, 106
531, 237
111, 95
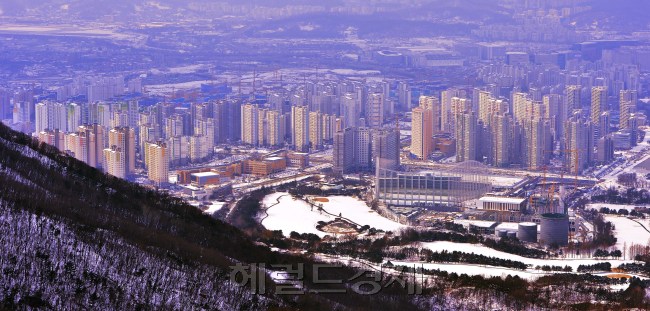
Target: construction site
493, 201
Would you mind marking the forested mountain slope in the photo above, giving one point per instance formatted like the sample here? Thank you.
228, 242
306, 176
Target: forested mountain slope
72, 237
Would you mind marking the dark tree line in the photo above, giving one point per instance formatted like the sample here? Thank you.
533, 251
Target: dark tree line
628, 196
444, 256
598, 267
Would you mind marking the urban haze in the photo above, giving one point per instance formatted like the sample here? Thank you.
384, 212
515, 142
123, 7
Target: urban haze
324, 155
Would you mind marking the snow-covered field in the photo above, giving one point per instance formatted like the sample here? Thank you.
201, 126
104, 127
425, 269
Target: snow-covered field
486, 251
628, 231
458, 268
359, 212
486, 271
214, 207
296, 215
291, 215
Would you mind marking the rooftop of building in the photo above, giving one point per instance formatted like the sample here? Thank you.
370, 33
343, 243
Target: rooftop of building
205, 174
502, 199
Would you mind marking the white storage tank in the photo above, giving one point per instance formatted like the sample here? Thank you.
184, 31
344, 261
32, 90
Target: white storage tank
554, 229
527, 232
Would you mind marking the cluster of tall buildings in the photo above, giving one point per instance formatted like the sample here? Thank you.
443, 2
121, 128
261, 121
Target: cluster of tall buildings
118, 136
103, 135
527, 130
364, 149
527, 112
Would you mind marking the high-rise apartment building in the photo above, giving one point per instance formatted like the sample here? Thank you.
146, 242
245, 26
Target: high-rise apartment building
598, 103
627, 106
404, 95
115, 162
73, 117
572, 98
199, 148
501, 125
276, 128
556, 113
350, 110
375, 110
458, 105
300, 128
605, 149
343, 154
538, 143
124, 140
466, 136
329, 127
157, 162
50, 116
446, 115
604, 124
422, 132
578, 144
362, 148
55, 138
250, 124
316, 129
178, 149
386, 148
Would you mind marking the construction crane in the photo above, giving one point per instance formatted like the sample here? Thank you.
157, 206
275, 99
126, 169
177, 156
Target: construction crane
575, 163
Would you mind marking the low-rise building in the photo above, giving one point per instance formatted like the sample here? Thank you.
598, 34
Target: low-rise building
297, 159
205, 178
264, 167
502, 204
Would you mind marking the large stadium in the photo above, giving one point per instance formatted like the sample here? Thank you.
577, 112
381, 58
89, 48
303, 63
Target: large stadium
432, 189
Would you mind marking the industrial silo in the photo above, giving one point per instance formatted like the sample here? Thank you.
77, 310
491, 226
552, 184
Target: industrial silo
511, 234
554, 229
502, 233
527, 232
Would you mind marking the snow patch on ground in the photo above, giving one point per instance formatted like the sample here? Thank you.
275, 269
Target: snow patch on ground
296, 215
486, 251
628, 231
291, 215
359, 212
486, 271
214, 207
28, 152
16, 176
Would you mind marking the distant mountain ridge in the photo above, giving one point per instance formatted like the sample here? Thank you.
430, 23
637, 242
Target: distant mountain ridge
621, 15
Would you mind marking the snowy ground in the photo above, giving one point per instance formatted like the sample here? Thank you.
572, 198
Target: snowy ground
296, 215
486, 271
291, 215
359, 212
458, 268
610, 179
214, 207
628, 231
486, 251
